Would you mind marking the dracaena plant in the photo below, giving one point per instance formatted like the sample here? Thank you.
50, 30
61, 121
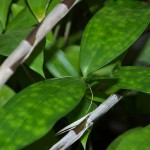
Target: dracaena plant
60, 76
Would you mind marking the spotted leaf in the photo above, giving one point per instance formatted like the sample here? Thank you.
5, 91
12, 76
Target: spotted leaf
110, 32
32, 113
134, 78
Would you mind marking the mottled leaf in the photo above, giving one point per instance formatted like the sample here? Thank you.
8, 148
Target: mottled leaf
5, 94
137, 139
133, 78
32, 113
110, 32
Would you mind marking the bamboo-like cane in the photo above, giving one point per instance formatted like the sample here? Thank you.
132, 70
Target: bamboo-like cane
25, 48
79, 127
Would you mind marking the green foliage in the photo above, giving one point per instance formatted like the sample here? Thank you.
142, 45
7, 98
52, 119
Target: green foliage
6, 93
137, 138
36, 109
135, 78
73, 75
104, 37
60, 66
145, 54
23, 20
4, 8
38, 8
10, 38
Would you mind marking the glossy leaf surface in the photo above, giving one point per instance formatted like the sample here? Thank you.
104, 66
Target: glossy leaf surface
136, 139
134, 78
110, 32
32, 113
5, 94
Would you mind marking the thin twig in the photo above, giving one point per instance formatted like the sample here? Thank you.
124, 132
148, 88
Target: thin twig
80, 126
25, 48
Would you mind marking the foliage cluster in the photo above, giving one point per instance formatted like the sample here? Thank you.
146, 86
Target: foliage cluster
86, 50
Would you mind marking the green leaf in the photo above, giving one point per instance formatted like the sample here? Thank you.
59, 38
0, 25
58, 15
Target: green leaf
39, 8
110, 32
4, 8
9, 41
133, 78
52, 5
5, 94
22, 2
32, 113
137, 139
1, 27
60, 66
25, 19
84, 138
72, 53
35, 61
37, 64
49, 41
15, 8
144, 56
